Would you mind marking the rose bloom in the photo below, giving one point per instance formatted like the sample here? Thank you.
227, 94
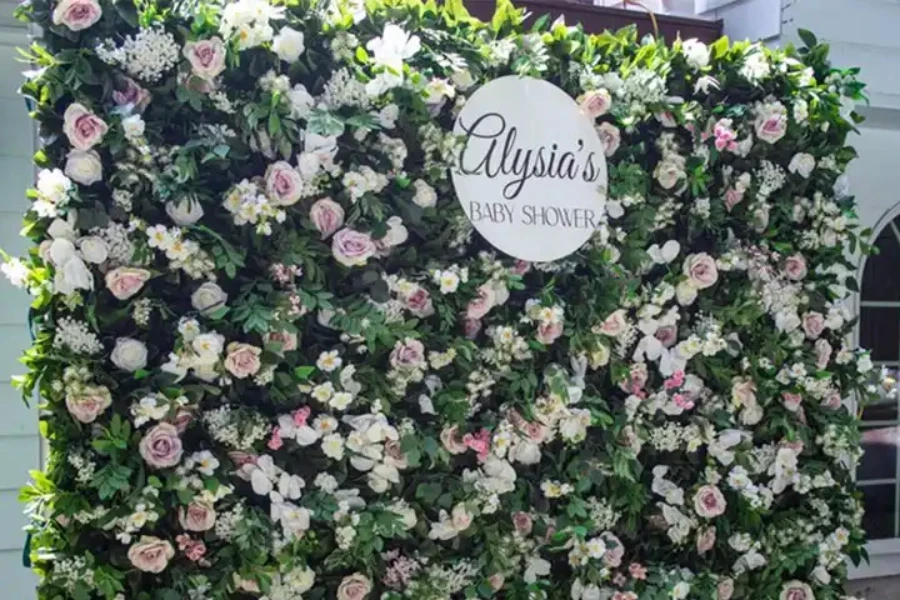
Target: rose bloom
796, 590
77, 14
615, 550
352, 248
725, 589
354, 587
706, 539
667, 335
419, 303
327, 216
125, 282
198, 516
813, 324
709, 502
637, 571
207, 57
733, 197
208, 298
701, 270
771, 124
84, 167
482, 303
823, 353
795, 267
408, 354
287, 339
161, 446
609, 137
791, 401
615, 324
151, 554
133, 95
595, 103
129, 354
452, 440
89, 404
471, 328
743, 392
522, 522
195, 550
284, 185
461, 517
83, 128
242, 360
547, 333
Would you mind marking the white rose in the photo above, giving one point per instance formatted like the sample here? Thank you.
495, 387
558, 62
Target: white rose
129, 354
301, 101
288, 44
94, 249
61, 251
74, 275
695, 53
184, 212
685, 293
208, 298
425, 195
802, 164
462, 79
85, 167
133, 126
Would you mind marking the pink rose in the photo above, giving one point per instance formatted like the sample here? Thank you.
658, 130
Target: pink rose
125, 282
595, 103
408, 354
709, 502
452, 440
726, 138
725, 589
547, 333
352, 248
522, 522
733, 197
668, 335
615, 550
615, 324
771, 123
419, 303
637, 378
482, 304
199, 516
637, 571
520, 267
813, 324
706, 539
242, 360
496, 581
77, 14
327, 216
151, 554
393, 452
83, 128
132, 95
796, 590
287, 339
701, 270
823, 353
795, 267
791, 401
207, 57
161, 446
182, 420
743, 392
609, 137
195, 550
283, 184
89, 404
833, 401
354, 587
471, 328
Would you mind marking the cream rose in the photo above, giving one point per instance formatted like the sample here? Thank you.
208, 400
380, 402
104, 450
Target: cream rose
284, 184
595, 103
207, 57
129, 354
327, 216
288, 44
352, 248
802, 164
425, 195
161, 446
125, 282
77, 15
795, 267
696, 53
83, 128
93, 249
198, 516
709, 502
242, 360
610, 137
796, 590
354, 587
151, 554
84, 167
813, 324
184, 212
208, 298
89, 404
701, 270
615, 324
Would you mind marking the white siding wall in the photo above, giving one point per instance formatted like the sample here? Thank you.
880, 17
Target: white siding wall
20, 448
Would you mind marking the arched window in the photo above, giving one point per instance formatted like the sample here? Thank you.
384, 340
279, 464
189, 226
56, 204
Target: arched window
879, 331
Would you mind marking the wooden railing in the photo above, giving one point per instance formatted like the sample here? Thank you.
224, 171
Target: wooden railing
597, 18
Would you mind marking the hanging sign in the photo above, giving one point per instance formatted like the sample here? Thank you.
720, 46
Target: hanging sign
531, 175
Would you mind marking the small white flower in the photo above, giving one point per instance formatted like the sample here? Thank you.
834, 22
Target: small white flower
329, 361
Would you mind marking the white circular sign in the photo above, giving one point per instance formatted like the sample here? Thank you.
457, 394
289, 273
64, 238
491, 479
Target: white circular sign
531, 175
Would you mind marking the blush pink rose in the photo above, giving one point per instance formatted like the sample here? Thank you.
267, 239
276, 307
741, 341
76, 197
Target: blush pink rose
701, 270
522, 522
733, 197
89, 404
242, 360
609, 137
284, 185
615, 550
706, 539
77, 15
823, 353
198, 516
452, 440
287, 339
151, 554
668, 335
419, 303
125, 282
133, 95
83, 128
595, 103
327, 216
207, 57
709, 502
795, 267
771, 123
352, 248
520, 267
725, 589
408, 354
354, 587
161, 446
813, 324
615, 324
791, 401
182, 420
471, 328
482, 304
833, 401
796, 590
547, 333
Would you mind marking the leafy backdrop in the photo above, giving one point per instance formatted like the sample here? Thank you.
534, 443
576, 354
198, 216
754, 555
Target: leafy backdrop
275, 361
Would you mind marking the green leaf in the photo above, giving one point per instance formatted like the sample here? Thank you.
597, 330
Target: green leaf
323, 122
361, 55
808, 37
303, 373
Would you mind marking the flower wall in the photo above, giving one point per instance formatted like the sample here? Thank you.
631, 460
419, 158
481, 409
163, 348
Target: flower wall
275, 361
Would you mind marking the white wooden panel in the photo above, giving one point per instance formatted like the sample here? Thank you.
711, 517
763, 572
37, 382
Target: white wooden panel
878, 69
18, 135
18, 582
14, 339
12, 524
18, 419
751, 19
21, 455
859, 21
